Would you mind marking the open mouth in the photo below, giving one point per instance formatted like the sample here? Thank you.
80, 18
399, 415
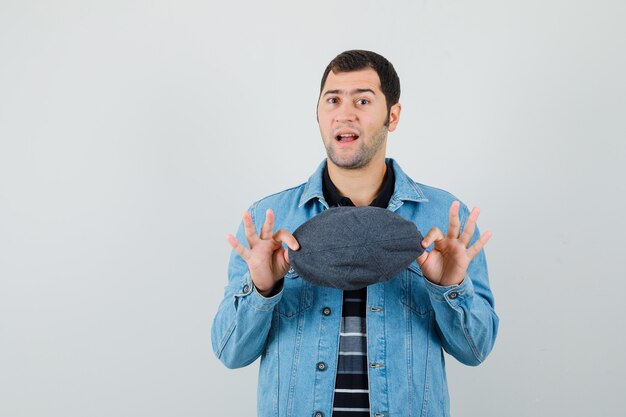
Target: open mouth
346, 137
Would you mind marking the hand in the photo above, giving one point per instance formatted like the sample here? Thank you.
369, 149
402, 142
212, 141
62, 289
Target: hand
267, 260
446, 264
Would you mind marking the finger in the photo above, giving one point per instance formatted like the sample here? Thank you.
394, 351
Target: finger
478, 245
239, 248
248, 226
433, 235
455, 224
284, 236
470, 226
268, 226
422, 258
286, 255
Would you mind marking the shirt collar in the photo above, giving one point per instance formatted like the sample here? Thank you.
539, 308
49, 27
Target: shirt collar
331, 195
333, 198
404, 188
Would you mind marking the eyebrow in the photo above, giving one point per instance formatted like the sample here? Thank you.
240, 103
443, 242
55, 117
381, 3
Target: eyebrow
352, 93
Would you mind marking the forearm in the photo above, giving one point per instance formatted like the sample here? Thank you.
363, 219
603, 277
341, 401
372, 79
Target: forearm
244, 316
467, 322
465, 315
242, 323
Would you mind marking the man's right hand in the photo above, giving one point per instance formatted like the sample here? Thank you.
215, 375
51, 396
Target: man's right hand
267, 260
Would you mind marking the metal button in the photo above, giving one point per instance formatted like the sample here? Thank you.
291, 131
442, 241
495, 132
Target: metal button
321, 366
246, 288
326, 311
291, 270
318, 414
453, 295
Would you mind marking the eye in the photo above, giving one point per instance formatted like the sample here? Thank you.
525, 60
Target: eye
362, 101
332, 100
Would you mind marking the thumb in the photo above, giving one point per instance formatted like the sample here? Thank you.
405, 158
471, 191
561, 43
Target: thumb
422, 258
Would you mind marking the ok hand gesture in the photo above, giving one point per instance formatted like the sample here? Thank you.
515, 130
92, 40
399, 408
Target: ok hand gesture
446, 264
267, 260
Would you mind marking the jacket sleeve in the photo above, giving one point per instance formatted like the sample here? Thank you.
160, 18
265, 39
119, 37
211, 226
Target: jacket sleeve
244, 316
464, 313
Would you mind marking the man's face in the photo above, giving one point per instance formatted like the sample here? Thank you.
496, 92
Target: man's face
352, 112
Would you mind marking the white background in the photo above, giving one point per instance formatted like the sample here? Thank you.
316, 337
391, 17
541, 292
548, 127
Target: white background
134, 133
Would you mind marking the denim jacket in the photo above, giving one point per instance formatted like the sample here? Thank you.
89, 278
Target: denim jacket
410, 321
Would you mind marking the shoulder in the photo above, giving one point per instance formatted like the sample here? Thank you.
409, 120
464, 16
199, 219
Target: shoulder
289, 213
411, 191
291, 206
289, 197
432, 209
436, 196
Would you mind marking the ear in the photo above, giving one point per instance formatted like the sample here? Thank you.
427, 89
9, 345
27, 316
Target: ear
394, 116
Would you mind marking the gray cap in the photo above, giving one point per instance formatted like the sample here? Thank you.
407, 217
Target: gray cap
352, 247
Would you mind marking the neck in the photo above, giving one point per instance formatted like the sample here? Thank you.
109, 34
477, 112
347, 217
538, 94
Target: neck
360, 185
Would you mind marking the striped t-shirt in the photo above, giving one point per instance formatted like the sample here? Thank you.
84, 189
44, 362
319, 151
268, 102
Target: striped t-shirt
351, 384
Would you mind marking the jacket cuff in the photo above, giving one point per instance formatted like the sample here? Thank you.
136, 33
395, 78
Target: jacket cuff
248, 292
452, 294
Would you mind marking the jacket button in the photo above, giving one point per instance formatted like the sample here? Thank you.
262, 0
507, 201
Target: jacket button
245, 288
318, 414
326, 311
321, 366
291, 271
453, 295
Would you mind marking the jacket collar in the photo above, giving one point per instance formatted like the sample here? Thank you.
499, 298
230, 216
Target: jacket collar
405, 189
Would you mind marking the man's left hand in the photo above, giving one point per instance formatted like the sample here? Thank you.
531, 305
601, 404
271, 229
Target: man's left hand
446, 264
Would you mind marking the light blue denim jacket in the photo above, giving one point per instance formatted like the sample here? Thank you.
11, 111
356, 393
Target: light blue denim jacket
410, 321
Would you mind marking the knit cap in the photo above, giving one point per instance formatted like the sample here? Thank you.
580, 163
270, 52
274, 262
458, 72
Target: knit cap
352, 247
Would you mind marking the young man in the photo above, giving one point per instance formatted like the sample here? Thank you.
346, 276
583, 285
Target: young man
376, 351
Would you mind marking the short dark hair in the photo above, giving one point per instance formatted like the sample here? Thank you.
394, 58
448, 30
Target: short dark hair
356, 60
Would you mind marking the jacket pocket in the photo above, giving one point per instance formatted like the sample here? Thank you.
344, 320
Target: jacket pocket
414, 293
296, 295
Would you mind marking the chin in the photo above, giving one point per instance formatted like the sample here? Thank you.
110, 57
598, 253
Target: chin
348, 163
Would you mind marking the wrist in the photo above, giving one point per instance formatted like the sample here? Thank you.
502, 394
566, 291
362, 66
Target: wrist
447, 282
264, 293
263, 286
274, 291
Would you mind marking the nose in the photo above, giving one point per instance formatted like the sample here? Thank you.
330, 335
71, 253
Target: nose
345, 113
